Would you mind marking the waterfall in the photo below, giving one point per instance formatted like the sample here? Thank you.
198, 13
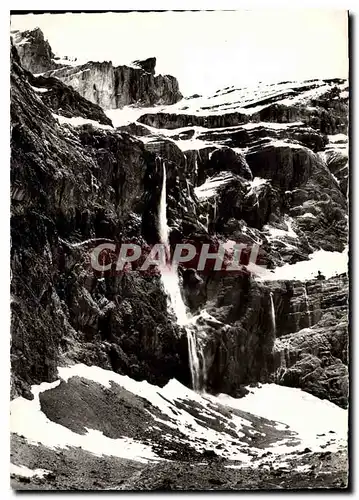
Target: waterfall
171, 285
307, 305
273, 313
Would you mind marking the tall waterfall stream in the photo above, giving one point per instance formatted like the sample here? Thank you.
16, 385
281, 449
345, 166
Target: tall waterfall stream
171, 284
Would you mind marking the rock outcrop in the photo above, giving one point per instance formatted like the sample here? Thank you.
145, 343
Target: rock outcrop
65, 101
262, 172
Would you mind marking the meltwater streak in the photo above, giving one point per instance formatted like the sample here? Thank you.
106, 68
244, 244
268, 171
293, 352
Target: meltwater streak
171, 285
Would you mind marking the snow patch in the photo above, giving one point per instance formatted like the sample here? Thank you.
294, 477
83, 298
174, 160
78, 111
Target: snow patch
307, 215
272, 125
338, 138
130, 114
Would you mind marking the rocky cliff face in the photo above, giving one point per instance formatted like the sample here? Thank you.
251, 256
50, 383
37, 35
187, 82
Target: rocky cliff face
70, 185
34, 51
63, 100
311, 349
99, 82
262, 176
270, 170
267, 169
115, 87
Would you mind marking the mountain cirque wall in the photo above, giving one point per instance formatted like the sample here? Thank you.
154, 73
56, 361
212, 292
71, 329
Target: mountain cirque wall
99, 82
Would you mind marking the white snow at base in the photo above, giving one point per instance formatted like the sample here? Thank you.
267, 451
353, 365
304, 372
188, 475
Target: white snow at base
303, 413
76, 121
210, 187
28, 420
337, 138
21, 470
328, 263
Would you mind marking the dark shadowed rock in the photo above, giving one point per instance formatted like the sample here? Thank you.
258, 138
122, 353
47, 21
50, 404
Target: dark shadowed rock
34, 51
